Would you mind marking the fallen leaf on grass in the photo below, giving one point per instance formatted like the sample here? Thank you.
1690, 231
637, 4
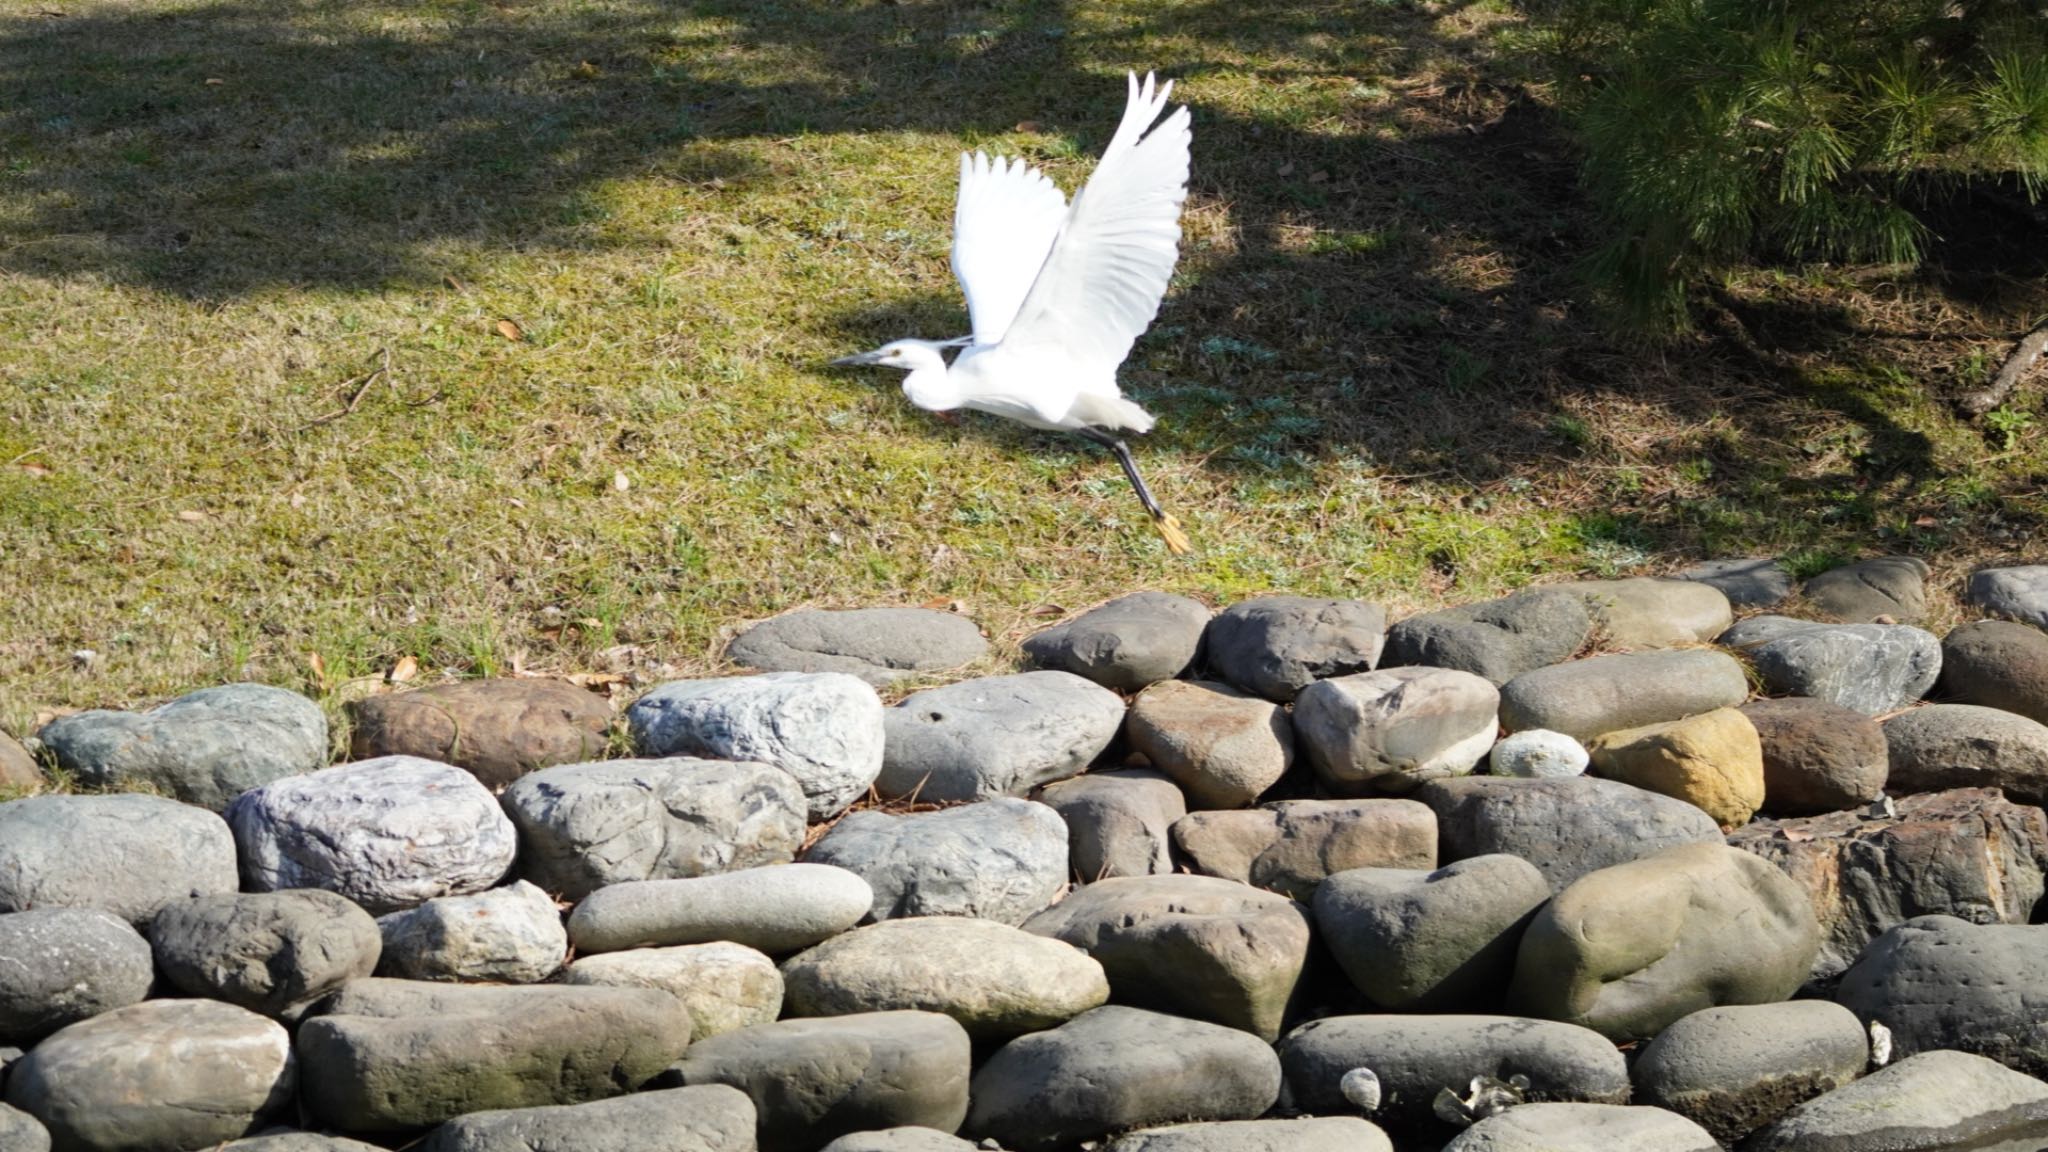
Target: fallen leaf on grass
404, 670
35, 469
511, 330
620, 482
191, 515
1027, 126
214, 81
319, 669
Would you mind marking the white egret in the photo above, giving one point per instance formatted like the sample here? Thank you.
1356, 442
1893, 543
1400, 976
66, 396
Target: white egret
1057, 293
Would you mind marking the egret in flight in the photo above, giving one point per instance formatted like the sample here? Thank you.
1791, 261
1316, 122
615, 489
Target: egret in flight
1057, 293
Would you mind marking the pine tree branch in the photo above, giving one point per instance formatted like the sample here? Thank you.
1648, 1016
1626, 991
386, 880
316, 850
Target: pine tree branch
2030, 348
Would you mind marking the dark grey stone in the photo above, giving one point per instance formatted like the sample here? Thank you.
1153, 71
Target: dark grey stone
1869, 668
1584, 1128
778, 909
1752, 583
129, 854
1274, 646
1894, 586
62, 965
270, 952
1933, 1102
879, 645
1818, 757
204, 748
823, 728
1565, 827
999, 859
1591, 697
1126, 644
1119, 821
2017, 593
1968, 746
1998, 664
1939, 982
996, 736
508, 935
1442, 941
1305, 1134
1497, 639
708, 1118
1733, 1070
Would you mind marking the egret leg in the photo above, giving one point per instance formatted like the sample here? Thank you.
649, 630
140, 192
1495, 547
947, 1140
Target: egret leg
1168, 527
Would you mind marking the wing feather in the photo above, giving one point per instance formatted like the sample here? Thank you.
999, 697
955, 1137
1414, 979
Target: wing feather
1003, 225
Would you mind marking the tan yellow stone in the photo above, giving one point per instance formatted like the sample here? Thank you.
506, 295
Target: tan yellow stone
1714, 761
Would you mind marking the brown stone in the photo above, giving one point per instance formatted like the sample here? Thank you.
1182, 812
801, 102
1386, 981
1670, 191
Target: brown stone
1289, 846
18, 771
1818, 757
498, 730
1222, 746
1713, 761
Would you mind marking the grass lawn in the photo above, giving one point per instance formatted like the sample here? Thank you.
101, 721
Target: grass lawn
491, 334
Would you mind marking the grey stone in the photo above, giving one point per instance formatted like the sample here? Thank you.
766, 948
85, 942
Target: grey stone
288, 1140
1415, 1057
159, 1074
18, 769
1274, 646
1750, 583
62, 965
1584, 1128
900, 1140
496, 729
1119, 821
1650, 612
1733, 1070
725, 986
1933, 1102
823, 728
996, 736
1290, 845
709, 1118
879, 645
1998, 664
1223, 747
1968, 746
1193, 945
815, 1080
393, 1055
1601, 694
1870, 668
509, 935
1444, 941
780, 909
1629, 949
1565, 827
1538, 754
129, 854
1117, 1068
1126, 644
1818, 757
204, 748
997, 981
1306, 1134
1940, 982
274, 953
2017, 593
21, 1132
1496, 639
387, 833
999, 859
583, 826
1894, 586
1391, 730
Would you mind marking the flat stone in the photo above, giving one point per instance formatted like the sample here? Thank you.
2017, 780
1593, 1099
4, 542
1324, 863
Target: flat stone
1567, 828
21, 1132
1733, 1070
1968, 853
274, 953
1119, 821
823, 728
1968, 746
18, 769
1585, 698
1713, 761
395, 1055
879, 645
1497, 639
1749, 583
1584, 1128
900, 1140
1415, 1057
509, 935
997, 981
1290, 845
1118, 1068
386, 833
1998, 664
1868, 668
1274, 646
1933, 1102
127, 853
1196, 946
107, 1084
1222, 746
1538, 754
996, 736
204, 748
1391, 730
497, 730
1640, 612
782, 909
1306, 1134
1894, 586
1126, 644
2017, 593
1629, 949
62, 965
1818, 757
1423, 941
289, 1140
725, 986
710, 1118
815, 1080
583, 826
999, 859
1939, 982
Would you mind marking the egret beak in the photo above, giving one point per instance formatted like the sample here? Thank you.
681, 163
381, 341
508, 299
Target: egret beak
859, 360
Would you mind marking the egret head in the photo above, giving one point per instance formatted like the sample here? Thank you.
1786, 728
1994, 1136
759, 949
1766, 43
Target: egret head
909, 355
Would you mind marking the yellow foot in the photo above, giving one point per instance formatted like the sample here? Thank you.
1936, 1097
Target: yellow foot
1169, 531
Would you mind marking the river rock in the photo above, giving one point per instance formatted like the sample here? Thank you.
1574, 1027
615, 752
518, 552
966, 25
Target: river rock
386, 833
274, 953
2017, 593
1940, 982
1222, 746
1894, 586
823, 728
62, 965
1733, 1070
1497, 639
1998, 664
21, 1132
1290, 845
1566, 828
1117, 1068
815, 1080
1652, 612
1585, 698
1750, 583
1420, 941
1869, 668
782, 909
509, 935
1197, 946
290, 1140
900, 1140
1415, 1057
725, 986
1126, 644
1119, 821
1818, 757
18, 769
710, 1118
1936, 1101
1304, 1134
1629, 949
583, 826
1391, 730
204, 748
1274, 646
996, 736
128, 853
1538, 754
1584, 1128
1968, 746
159, 1074
1713, 761
999, 859
497, 730
879, 645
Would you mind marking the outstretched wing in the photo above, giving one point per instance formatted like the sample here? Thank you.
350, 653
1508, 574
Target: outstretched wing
1003, 225
1108, 270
